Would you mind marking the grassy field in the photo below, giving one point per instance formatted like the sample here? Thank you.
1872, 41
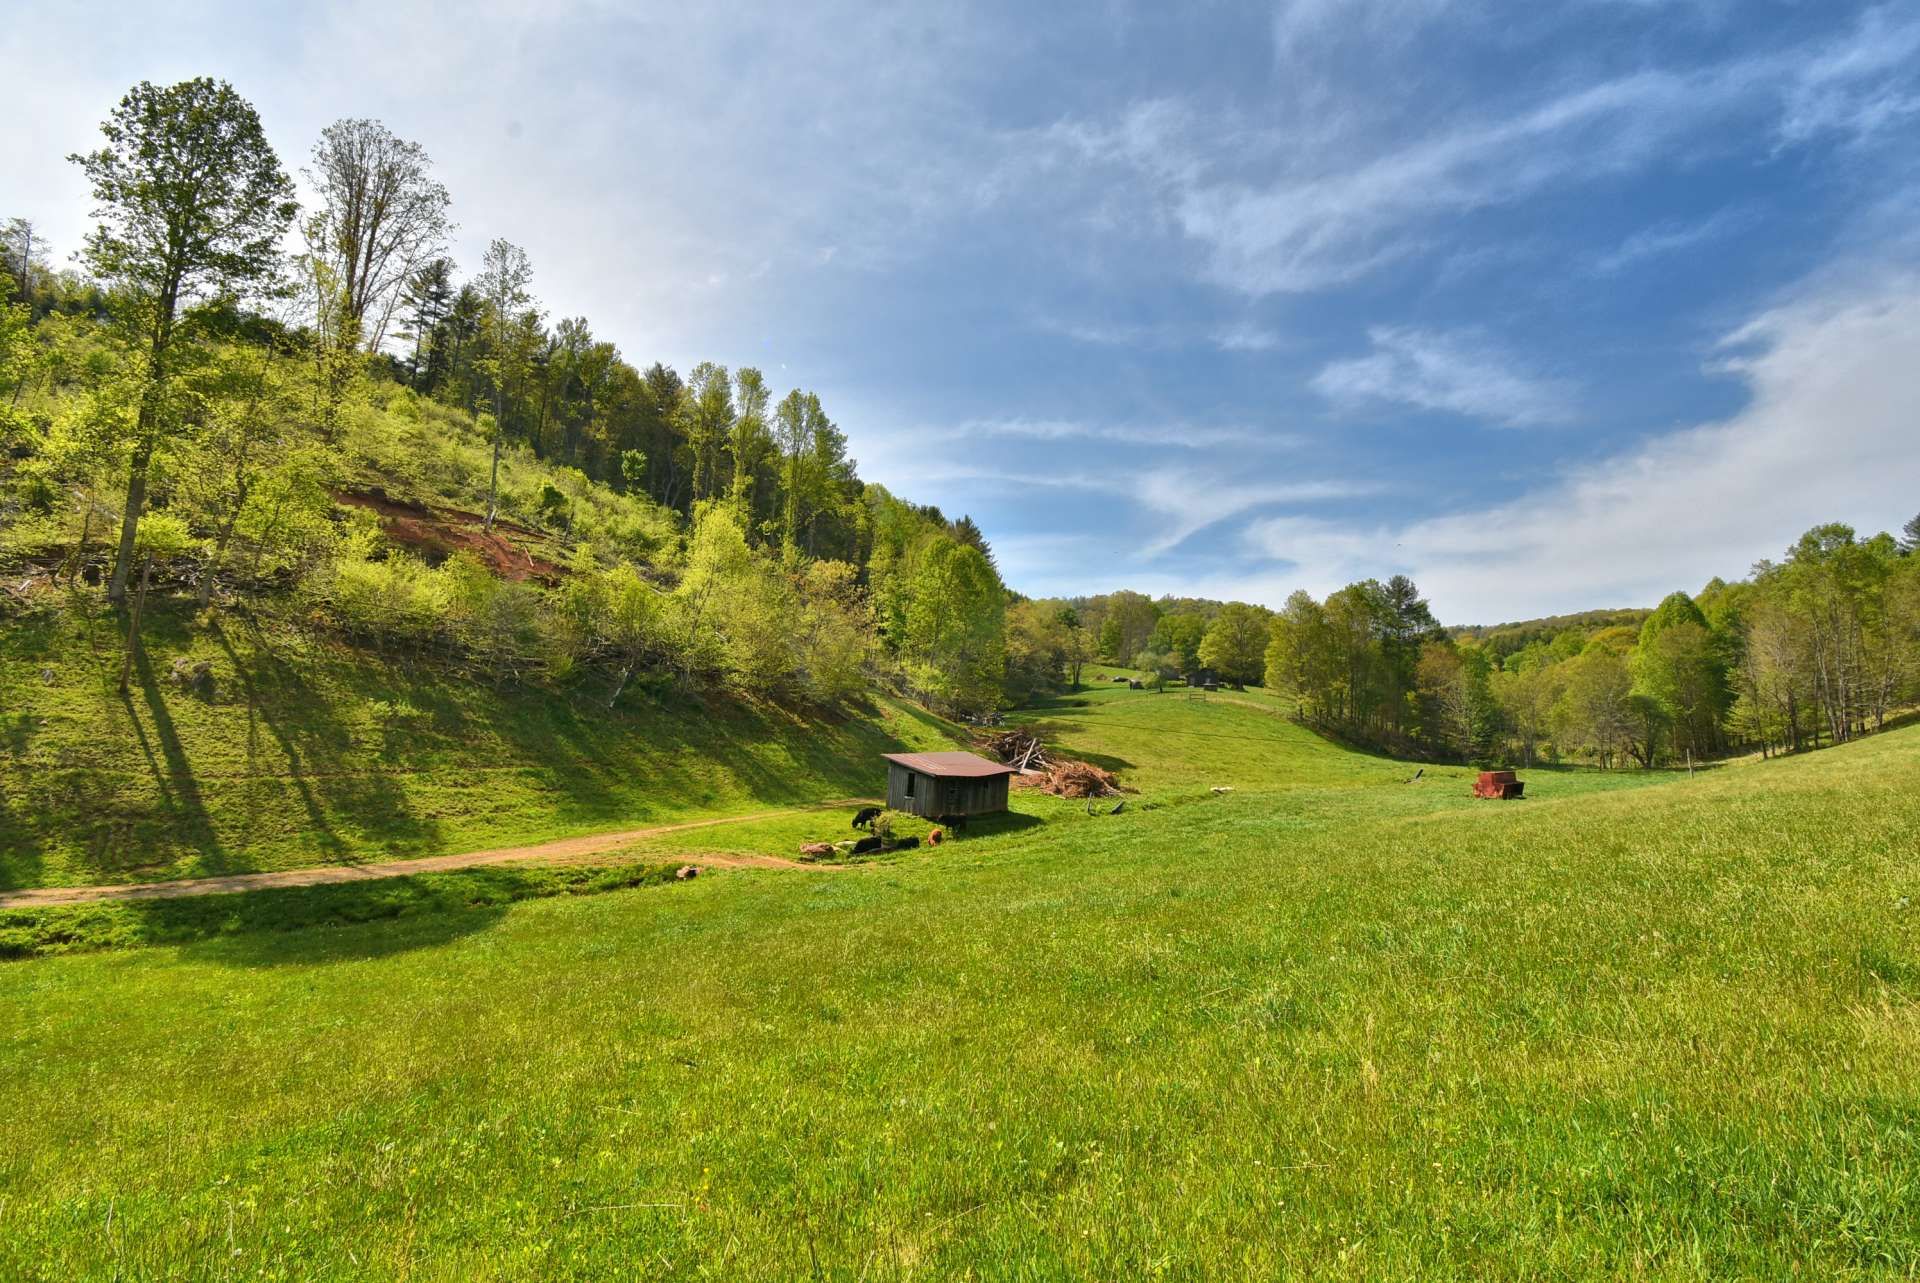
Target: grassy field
1330, 1025
1171, 750
311, 753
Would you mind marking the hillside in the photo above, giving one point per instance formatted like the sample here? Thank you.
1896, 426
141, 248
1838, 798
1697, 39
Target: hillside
1666, 1032
314, 751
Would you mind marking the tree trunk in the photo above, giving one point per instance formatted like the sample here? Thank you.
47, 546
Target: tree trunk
86, 537
130, 520
493, 481
205, 594
133, 625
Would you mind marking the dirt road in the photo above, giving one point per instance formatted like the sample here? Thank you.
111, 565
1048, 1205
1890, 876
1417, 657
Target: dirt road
577, 850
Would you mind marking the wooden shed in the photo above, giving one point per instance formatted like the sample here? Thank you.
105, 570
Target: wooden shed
936, 785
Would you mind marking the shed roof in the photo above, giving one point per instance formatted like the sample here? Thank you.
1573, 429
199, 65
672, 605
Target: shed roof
950, 765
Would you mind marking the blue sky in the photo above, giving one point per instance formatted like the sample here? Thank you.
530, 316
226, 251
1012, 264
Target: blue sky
1548, 305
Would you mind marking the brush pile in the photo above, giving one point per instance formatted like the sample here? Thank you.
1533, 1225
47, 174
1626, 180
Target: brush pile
1079, 779
1019, 748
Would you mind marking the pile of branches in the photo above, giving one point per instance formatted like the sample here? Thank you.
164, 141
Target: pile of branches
1079, 779
1019, 748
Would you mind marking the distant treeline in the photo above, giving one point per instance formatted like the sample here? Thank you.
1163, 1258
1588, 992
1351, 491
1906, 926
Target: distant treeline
1817, 648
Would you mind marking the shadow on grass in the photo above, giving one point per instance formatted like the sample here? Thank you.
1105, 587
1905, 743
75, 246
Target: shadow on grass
323, 943
172, 772
987, 826
301, 926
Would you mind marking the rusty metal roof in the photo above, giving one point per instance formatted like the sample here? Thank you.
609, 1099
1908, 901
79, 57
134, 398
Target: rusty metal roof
950, 765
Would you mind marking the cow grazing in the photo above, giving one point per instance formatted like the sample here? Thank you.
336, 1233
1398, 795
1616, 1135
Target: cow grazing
865, 816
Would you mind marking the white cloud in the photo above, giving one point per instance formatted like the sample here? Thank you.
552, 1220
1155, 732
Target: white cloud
1459, 374
1828, 435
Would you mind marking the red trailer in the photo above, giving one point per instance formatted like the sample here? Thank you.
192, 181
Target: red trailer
1497, 784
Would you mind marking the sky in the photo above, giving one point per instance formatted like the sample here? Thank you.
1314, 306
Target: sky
1551, 306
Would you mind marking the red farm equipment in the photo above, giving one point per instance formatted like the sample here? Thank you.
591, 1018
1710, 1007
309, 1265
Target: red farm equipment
1500, 785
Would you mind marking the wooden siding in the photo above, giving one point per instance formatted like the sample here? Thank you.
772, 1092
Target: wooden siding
936, 797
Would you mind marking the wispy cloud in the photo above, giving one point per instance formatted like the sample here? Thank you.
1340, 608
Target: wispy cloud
1458, 374
1188, 501
1299, 207
1173, 435
1669, 238
1171, 503
1858, 86
1231, 336
1245, 337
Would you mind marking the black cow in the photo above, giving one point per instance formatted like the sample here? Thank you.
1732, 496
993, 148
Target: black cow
906, 844
865, 816
866, 845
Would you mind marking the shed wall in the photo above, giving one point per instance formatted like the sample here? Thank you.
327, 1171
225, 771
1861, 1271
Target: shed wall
936, 797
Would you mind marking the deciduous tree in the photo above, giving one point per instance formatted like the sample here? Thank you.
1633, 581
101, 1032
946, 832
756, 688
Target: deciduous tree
192, 205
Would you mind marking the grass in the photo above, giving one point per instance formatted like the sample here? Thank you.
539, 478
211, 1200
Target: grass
473, 894
1331, 1025
312, 753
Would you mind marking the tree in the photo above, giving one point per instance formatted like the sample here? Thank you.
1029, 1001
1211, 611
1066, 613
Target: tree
793, 432
1079, 644
1235, 646
428, 302
660, 428
735, 611
834, 480
382, 216
1910, 536
1299, 656
1037, 650
955, 625
20, 259
506, 274
1353, 618
1678, 666
192, 204
967, 532
709, 415
752, 443
17, 355
1525, 692
1404, 625
241, 402
1180, 632
1129, 623
1160, 666
1444, 699
1593, 711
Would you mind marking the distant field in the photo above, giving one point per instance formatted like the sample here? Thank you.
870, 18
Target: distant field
1168, 749
313, 754
1330, 1025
